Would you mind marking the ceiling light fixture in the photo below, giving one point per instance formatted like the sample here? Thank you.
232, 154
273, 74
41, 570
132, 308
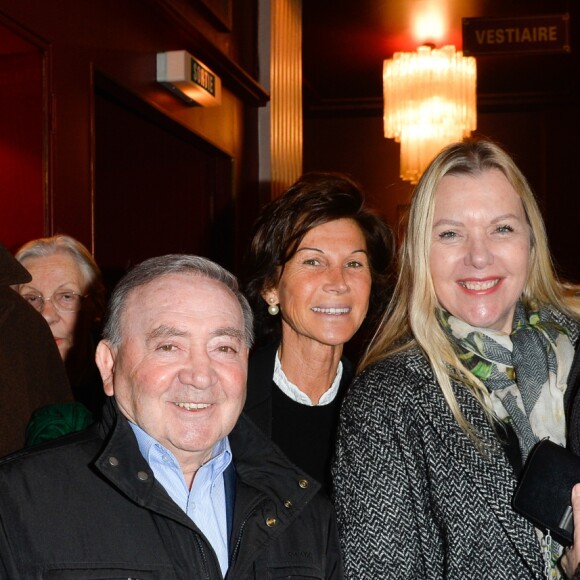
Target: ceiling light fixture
430, 101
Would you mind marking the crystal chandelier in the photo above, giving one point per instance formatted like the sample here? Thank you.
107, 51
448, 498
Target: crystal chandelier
429, 102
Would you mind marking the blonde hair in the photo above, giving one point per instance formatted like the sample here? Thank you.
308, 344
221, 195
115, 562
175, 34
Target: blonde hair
411, 320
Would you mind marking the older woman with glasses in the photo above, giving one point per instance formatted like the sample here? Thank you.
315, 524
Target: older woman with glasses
66, 288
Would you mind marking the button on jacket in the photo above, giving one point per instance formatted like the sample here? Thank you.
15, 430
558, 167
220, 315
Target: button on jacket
88, 506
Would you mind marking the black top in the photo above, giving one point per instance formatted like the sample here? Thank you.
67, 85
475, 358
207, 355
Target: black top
305, 434
88, 389
572, 404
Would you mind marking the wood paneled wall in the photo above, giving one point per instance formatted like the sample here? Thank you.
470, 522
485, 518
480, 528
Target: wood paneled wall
83, 40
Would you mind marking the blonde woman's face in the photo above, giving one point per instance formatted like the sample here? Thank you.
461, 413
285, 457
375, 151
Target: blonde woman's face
52, 274
480, 248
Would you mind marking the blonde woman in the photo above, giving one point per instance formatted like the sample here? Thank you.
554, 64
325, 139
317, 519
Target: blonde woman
469, 369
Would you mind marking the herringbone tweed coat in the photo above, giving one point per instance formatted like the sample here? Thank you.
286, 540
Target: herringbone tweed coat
414, 497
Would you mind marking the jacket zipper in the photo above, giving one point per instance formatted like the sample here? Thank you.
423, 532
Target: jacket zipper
253, 507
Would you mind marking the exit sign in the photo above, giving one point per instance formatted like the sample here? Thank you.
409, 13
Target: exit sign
203, 77
188, 78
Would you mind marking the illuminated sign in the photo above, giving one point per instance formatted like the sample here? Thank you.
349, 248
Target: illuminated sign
203, 77
548, 33
188, 78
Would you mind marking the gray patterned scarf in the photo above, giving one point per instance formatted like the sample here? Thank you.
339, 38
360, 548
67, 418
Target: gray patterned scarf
525, 372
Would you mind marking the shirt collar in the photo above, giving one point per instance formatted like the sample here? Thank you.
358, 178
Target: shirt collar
221, 454
292, 391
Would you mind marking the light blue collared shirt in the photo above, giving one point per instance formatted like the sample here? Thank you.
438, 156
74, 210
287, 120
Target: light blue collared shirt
205, 503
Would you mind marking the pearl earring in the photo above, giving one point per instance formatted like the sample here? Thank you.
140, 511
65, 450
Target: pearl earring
273, 309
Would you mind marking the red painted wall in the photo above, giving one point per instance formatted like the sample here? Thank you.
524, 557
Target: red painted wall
21, 148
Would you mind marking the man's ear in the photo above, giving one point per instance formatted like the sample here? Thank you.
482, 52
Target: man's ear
105, 359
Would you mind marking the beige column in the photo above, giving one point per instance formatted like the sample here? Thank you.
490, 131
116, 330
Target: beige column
285, 86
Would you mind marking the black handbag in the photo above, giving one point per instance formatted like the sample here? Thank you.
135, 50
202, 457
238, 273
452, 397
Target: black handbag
544, 492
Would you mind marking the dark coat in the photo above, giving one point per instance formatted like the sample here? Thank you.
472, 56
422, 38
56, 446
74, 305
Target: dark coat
414, 497
89, 506
32, 373
573, 415
258, 407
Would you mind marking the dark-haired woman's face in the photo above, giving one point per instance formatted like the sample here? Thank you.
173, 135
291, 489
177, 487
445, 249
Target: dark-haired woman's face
324, 289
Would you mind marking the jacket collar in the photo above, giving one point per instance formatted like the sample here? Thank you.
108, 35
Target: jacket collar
122, 464
262, 465
258, 462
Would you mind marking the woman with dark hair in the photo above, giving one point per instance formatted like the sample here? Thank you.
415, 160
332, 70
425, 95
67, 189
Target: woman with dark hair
318, 259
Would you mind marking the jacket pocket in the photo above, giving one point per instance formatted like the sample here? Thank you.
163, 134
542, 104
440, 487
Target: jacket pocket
287, 571
102, 573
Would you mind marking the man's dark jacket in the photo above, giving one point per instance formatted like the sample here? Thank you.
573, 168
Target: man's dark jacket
88, 506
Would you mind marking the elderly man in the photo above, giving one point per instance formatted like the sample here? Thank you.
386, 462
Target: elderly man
173, 483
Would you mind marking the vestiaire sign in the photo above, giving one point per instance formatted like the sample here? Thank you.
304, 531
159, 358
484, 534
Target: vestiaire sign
546, 33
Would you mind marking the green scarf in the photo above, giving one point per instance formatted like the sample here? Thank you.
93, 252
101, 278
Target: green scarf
53, 421
525, 372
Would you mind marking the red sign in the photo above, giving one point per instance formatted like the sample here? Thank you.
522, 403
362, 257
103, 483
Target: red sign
547, 33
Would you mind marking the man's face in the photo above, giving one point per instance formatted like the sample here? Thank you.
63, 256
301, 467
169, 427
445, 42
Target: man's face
180, 371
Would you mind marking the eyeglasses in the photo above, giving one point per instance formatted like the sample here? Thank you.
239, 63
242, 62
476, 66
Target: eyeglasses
63, 301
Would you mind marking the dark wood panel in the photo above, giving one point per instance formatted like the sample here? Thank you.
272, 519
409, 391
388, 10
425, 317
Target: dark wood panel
155, 192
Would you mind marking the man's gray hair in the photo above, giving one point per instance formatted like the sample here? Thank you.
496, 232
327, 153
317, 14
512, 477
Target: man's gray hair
154, 268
